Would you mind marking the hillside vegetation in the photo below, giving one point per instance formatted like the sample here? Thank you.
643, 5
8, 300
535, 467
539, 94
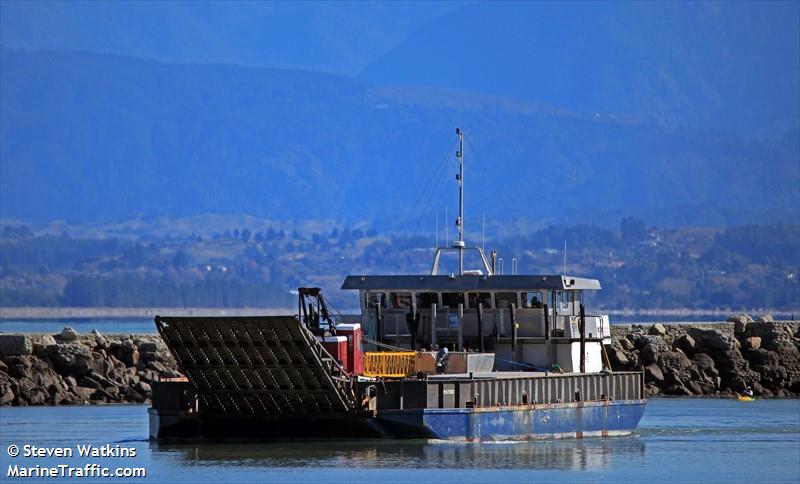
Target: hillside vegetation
640, 267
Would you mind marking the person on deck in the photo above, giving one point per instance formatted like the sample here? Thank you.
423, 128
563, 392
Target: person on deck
441, 359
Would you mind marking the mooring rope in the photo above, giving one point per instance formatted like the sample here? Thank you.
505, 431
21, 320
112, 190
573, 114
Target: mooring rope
383, 345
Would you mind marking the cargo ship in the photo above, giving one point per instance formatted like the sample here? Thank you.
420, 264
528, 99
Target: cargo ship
471, 355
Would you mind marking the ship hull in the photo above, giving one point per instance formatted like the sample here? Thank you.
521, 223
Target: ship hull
541, 422
518, 423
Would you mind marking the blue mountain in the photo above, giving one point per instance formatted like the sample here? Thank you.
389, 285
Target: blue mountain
91, 137
713, 65
676, 112
335, 37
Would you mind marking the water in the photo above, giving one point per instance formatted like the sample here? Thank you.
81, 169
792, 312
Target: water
81, 325
147, 326
679, 440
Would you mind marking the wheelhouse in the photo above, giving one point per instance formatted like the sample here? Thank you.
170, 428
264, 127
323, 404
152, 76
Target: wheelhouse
518, 317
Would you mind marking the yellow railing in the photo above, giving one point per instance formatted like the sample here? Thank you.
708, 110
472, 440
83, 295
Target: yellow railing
396, 364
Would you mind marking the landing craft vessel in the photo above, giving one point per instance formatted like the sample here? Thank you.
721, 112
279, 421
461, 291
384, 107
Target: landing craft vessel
525, 361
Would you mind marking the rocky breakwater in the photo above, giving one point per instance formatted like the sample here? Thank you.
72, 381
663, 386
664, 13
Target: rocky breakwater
712, 359
72, 369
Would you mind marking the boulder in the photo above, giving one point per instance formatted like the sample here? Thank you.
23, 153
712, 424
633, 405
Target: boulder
84, 394
99, 364
8, 389
766, 318
89, 382
15, 345
133, 380
147, 346
112, 393
684, 343
105, 382
740, 322
674, 359
711, 340
126, 352
170, 374
37, 396
751, 343
735, 370
71, 382
626, 344
695, 387
40, 343
773, 335
148, 375
657, 342
68, 334
97, 342
657, 329
70, 358
651, 390
652, 373
617, 357
650, 347
678, 389
703, 361
101, 395
142, 388
19, 366
48, 379
649, 354
147, 356
133, 396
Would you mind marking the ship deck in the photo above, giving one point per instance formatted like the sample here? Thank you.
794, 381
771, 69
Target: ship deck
493, 375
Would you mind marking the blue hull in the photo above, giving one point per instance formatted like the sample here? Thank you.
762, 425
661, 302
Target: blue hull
566, 420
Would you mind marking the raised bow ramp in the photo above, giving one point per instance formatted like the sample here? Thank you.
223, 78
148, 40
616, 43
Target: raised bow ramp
268, 366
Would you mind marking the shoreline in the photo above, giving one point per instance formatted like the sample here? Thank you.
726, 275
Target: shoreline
713, 359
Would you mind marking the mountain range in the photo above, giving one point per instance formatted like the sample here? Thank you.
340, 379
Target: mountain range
679, 113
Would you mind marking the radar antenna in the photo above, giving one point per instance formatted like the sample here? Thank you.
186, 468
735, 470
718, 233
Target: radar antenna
459, 244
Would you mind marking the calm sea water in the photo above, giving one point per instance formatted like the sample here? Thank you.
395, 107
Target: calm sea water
81, 325
679, 440
146, 325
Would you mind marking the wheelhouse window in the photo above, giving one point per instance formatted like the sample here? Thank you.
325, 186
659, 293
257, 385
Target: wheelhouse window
374, 298
532, 299
426, 300
476, 298
452, 299
562, 299
401, 300
504, 300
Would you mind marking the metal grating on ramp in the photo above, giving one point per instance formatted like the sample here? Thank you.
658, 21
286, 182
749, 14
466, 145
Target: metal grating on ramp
267, 365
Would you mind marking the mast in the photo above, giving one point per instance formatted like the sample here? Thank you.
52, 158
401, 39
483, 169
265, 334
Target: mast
459, 244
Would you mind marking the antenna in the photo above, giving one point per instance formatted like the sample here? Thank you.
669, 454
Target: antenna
436, 214
565, 258
483, 231
459, 244
446, 232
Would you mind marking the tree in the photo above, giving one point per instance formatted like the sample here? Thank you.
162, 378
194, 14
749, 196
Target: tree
632, 229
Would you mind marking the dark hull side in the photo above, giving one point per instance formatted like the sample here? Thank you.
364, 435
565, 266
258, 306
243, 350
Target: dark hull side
567, 420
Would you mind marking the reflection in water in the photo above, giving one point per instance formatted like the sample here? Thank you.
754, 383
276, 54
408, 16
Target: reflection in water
560, 455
